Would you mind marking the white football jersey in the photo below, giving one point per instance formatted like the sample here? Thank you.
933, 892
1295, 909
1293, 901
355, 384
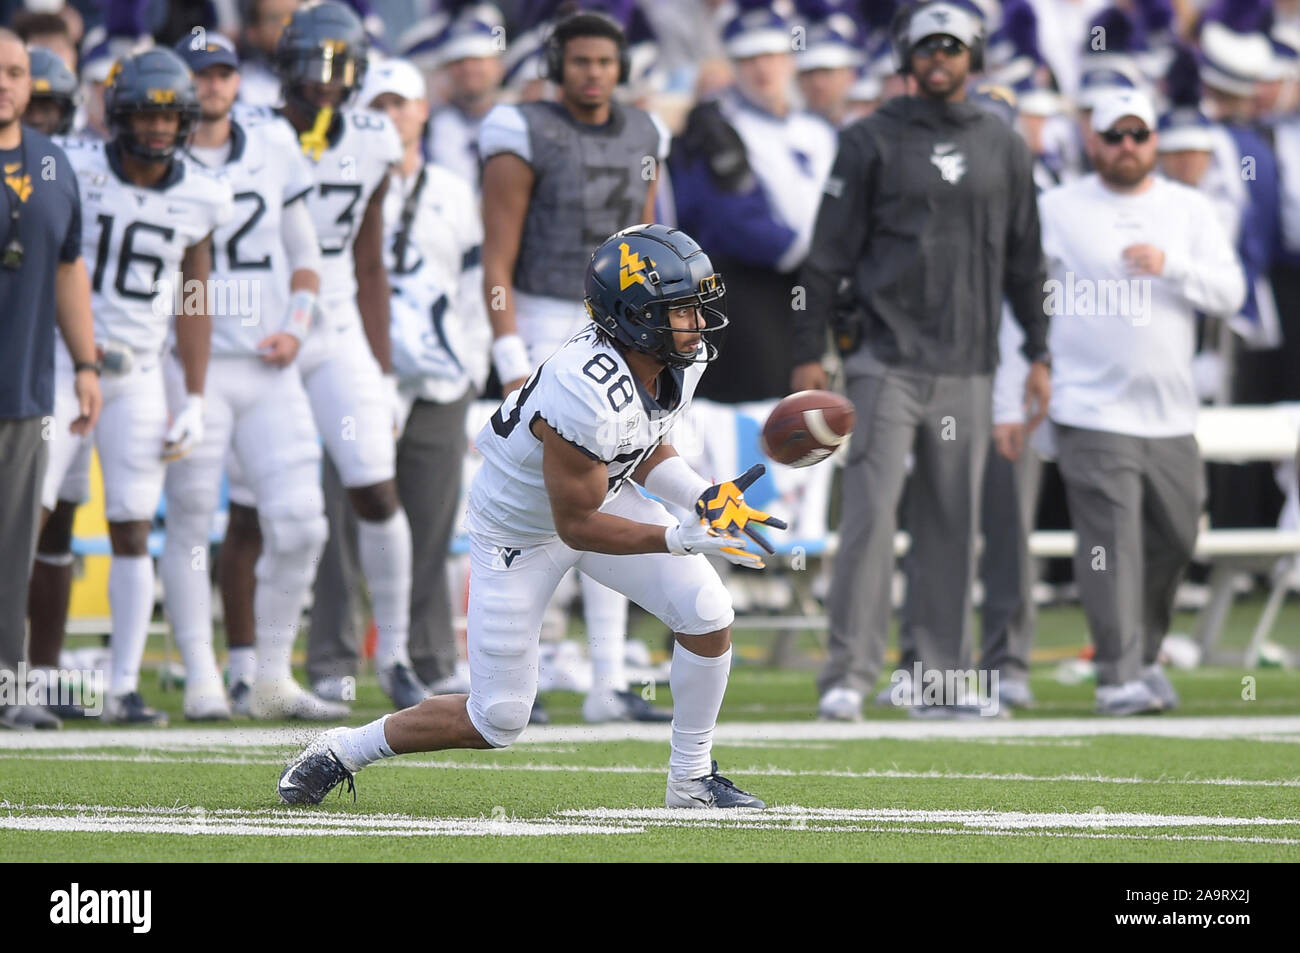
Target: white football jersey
588, 395
439, 327
134, 239
453, 143
364, 145
250, 268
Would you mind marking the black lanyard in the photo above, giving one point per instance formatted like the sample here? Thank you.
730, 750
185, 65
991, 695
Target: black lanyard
11, 256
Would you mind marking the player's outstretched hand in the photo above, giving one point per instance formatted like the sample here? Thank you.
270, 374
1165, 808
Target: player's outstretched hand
723, 506
696, 536
186, 431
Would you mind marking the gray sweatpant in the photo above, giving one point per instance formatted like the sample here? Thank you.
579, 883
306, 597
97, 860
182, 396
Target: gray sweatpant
946, 422
1134, 504
23, 456
430, 455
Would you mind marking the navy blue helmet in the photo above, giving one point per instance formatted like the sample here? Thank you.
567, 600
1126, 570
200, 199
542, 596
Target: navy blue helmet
640, 274
325, 43
52, 80
155, 80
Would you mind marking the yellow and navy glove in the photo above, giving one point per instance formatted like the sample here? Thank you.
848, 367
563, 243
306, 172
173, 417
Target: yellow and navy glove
723, 507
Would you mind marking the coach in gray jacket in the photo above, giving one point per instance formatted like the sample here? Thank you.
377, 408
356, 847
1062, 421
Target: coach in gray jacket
927, 220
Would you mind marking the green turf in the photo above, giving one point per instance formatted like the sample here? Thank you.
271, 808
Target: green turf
1081, 778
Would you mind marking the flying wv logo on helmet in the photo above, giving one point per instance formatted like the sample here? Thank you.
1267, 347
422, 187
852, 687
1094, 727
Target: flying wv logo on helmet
632, 269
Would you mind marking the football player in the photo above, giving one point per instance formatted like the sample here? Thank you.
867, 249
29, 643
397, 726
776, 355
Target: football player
554, 492
147, 219
266, 260
557, 178
346, 363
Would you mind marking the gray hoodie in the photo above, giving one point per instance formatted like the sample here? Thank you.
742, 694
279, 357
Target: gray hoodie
930, 213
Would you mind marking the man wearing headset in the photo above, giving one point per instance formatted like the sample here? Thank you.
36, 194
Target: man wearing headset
558, 177
927, 220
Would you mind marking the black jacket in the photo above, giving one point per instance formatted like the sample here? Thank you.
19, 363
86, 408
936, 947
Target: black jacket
930, 210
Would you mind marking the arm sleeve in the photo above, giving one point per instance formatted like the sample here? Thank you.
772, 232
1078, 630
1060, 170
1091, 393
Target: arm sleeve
504, 130
1025, 274
1211, 278
299, 237
838, 242
575, 408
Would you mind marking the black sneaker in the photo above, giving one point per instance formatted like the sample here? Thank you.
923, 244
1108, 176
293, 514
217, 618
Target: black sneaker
130, 709
621, 706
539, 715
314, 773
712, 790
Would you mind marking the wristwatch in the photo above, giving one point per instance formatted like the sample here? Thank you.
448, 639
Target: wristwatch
95, 366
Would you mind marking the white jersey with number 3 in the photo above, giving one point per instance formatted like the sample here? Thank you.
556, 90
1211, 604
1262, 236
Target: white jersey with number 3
134, 238
587, 394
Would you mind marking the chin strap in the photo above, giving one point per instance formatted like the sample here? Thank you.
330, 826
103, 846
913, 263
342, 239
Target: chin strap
315, 141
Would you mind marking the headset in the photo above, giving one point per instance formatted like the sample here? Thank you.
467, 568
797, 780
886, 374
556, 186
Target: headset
554, 63
902, 20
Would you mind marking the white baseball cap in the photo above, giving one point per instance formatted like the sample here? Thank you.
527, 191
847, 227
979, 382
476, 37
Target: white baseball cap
1115, 104
944, 19
393, 76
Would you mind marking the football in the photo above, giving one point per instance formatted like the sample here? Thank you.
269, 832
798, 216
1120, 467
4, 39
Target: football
807, 427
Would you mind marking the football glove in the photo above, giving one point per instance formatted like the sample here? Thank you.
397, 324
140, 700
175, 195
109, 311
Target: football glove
186, 431
697, 536
724, 508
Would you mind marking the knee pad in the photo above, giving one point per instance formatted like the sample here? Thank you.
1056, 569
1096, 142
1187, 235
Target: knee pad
706, 608
499, 721
288, 531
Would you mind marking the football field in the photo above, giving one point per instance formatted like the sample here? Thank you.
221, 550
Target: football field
1219, 782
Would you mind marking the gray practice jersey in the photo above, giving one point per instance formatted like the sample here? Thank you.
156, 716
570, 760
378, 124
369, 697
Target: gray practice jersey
591, 181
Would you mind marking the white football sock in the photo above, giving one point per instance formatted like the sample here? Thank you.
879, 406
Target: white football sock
285, 571
187, 594
698, 684
605, 612
358, 747
243, 664
385, 552
130, 603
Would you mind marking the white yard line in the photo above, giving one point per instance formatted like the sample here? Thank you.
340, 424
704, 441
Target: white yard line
185, 758
107, 819
1220, 727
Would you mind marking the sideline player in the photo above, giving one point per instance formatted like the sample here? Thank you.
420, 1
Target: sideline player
558, 177
266, 263
553, 493
321, 61
147, 214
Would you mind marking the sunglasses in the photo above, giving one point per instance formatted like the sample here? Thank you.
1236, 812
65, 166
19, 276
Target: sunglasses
1113, 137
948, 45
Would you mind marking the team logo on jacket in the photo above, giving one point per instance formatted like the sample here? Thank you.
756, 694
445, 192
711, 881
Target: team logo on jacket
950, 163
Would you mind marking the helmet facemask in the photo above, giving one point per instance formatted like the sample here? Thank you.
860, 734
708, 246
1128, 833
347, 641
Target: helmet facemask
710, 299
331, 64
119, 119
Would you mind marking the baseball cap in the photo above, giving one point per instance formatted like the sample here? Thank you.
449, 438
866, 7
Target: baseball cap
393, 76
943, 19
212, 50
1116, 104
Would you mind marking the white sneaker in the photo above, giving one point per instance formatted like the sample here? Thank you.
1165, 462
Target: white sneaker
337, 688
1154, 678
840, 704
206, 702
288, 699
457, 683
1131, 698
1015, 693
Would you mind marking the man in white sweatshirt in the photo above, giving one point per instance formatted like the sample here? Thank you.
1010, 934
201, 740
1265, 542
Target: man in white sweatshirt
1131, 258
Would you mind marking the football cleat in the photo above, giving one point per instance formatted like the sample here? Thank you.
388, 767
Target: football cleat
621, 706
1130, 698
315, 772
206, 702
710, 791
402, 686
1154, 678
287, 699
130, 709
840, 704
